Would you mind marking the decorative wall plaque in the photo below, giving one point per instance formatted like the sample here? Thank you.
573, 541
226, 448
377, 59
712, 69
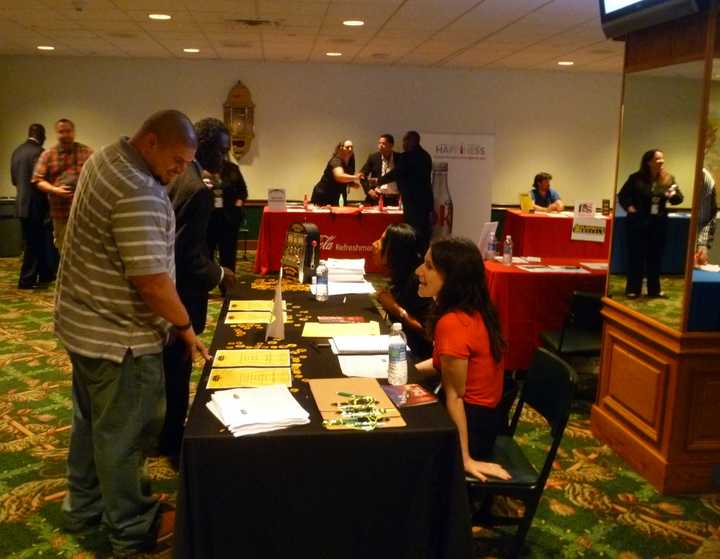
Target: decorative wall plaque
239, 116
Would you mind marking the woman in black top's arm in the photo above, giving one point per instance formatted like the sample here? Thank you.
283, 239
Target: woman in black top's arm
644, 196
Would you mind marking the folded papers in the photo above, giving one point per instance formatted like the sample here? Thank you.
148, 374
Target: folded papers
247, 411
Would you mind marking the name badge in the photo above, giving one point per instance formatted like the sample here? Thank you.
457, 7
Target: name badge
218, 202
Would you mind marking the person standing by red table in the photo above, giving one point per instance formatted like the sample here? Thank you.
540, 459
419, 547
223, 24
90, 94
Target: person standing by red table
229, 194
644, 196
339, 173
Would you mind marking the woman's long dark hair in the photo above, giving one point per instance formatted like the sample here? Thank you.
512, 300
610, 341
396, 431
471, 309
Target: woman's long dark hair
399, 247
350, 165
664, 178
461, 265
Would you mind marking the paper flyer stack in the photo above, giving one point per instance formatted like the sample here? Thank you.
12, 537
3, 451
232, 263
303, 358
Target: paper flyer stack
247, 411
346, 276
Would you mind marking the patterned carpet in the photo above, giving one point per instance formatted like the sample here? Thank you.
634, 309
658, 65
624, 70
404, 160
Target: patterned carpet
593, 506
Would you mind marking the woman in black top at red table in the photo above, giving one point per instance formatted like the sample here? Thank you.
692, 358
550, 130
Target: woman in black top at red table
339, 173
644, 197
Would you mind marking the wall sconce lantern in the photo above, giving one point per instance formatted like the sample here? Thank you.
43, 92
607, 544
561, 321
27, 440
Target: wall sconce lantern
239, 116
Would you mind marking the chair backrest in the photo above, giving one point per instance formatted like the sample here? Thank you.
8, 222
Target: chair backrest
549, 388
585, 310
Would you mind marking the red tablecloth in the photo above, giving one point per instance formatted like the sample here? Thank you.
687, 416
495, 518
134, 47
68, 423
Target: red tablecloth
342, 235
530, 302
539, 234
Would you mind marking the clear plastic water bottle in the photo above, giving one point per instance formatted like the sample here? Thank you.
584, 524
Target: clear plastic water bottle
397, 356
491, 247
321, 283
507, 251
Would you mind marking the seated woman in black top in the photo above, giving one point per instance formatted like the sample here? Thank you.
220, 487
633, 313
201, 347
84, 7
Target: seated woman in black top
396, 252
338, 174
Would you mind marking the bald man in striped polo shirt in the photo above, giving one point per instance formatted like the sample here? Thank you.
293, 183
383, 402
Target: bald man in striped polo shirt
116, 302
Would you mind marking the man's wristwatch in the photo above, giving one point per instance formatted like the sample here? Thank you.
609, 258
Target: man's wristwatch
183, 327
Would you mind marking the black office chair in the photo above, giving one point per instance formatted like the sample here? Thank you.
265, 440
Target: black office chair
581, 332
548, 389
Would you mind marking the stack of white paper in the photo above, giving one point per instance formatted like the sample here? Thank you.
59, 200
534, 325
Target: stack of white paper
246, 411
346, 270
362, 356
347, 288
349, 345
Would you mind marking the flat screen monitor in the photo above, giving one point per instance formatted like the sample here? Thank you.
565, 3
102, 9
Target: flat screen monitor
620, 17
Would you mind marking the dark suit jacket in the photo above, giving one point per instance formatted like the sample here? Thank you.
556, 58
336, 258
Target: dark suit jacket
30, 202
196, 272
373, 167
234, 189
413, 175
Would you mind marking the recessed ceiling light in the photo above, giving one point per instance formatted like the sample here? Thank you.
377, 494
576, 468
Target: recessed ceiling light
333, 54
354, 22
45, 47
565, 63
191, 51
160, 17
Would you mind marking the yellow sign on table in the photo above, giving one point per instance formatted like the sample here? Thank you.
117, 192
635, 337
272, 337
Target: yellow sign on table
249, 377
252, 358
250, 317
329, 330
254, 305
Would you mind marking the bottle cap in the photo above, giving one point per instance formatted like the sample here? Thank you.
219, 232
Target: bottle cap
396, 327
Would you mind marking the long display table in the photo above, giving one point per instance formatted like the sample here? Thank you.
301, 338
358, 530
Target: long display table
309, 492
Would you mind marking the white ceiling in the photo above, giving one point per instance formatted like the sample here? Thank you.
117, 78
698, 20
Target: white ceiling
527, 34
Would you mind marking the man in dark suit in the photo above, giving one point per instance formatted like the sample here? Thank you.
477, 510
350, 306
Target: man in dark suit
377, 165
196, 272
39, 256
413, 174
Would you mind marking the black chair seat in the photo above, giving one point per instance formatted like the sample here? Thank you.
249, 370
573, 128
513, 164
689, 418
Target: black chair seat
510, 456
548, 389
574, 342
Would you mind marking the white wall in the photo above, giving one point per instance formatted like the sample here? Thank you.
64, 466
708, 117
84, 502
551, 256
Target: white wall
564, 122
664, 113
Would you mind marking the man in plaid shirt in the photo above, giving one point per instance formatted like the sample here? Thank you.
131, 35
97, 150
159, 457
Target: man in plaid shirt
57, 172
707, 212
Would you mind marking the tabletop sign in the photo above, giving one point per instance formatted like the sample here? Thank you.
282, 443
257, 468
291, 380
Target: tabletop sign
584, 208
277, 200
606, 207
588, 229
526, 203
301, 253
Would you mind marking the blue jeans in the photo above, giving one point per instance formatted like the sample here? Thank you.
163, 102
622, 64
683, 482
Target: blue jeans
118, 412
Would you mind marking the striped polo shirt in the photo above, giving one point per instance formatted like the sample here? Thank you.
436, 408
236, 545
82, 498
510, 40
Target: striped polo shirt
121, 225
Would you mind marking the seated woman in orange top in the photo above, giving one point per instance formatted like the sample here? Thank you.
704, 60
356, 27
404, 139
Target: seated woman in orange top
468, 348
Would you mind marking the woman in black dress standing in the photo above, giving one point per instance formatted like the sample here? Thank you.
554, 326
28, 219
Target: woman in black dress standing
339, 173
644, 197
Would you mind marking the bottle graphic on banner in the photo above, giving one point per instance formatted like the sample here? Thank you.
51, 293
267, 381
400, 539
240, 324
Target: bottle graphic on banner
442, 202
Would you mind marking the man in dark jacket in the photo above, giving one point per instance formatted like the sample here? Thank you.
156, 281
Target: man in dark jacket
39, 256
413, 174
377, 165
196, 273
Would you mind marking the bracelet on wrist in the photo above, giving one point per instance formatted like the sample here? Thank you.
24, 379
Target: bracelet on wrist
183, 327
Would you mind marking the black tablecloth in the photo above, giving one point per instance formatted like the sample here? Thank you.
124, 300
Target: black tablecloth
309, 492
